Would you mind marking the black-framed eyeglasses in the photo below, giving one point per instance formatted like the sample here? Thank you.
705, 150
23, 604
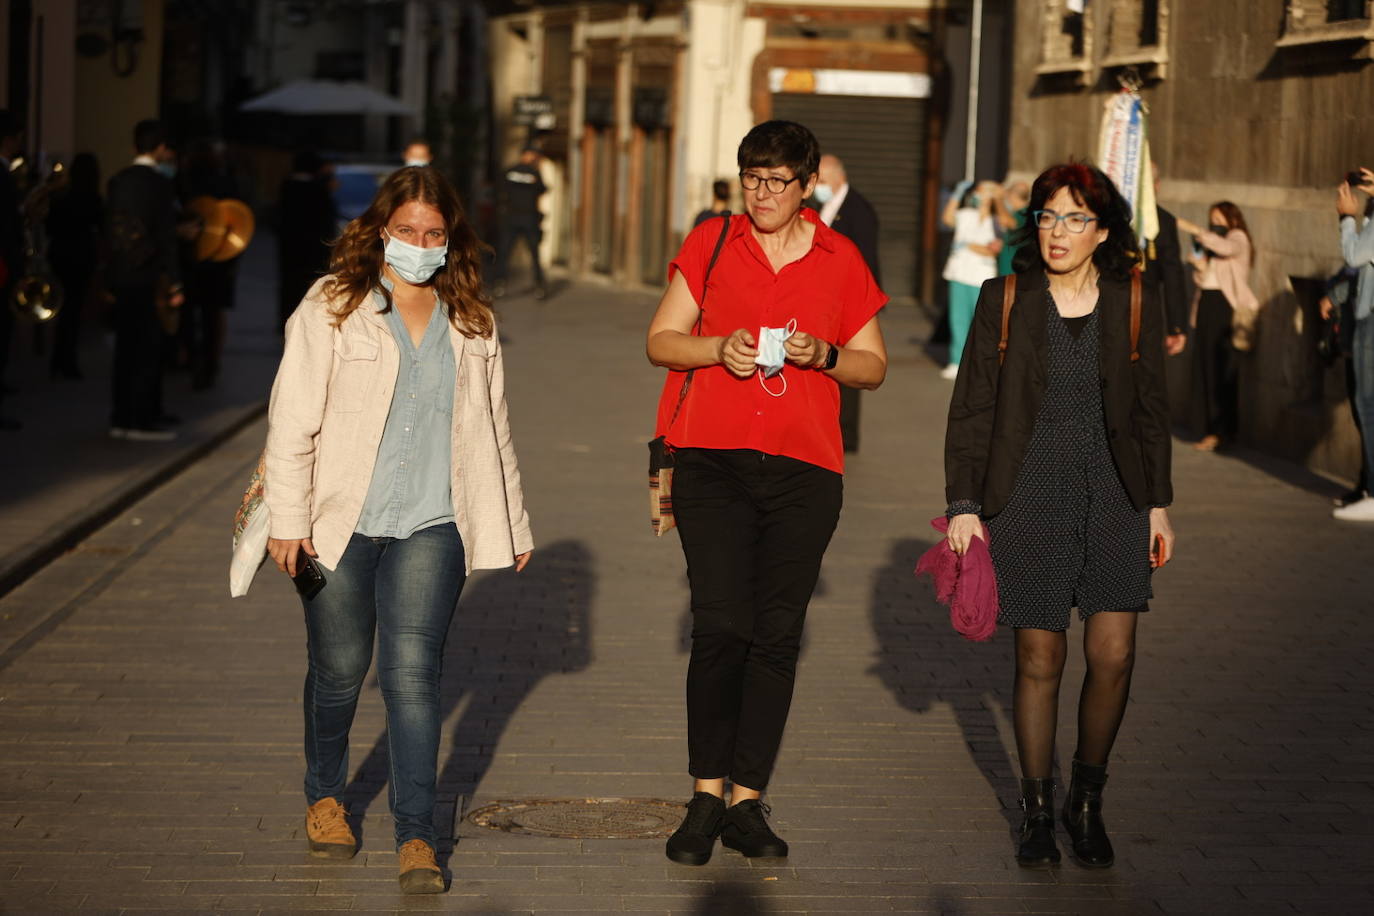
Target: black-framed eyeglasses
1074, 222
750, 182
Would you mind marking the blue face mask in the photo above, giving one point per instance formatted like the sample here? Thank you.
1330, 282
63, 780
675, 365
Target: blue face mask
412, 263
823, 193
168, 169
416, 163
772, 356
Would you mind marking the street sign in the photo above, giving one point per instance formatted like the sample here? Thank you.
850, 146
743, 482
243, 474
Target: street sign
535, 111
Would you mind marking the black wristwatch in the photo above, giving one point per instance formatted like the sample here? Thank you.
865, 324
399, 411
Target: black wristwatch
831, 358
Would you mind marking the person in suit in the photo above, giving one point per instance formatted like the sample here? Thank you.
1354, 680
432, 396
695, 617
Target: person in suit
307, 226
720, 203
11, 239
849, 213
1163, 272
143, 268
75, 224
523, 186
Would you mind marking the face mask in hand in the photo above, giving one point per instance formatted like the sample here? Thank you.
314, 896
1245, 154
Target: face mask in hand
772, 357
412, 263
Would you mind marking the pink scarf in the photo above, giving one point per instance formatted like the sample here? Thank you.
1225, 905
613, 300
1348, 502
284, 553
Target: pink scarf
967, 584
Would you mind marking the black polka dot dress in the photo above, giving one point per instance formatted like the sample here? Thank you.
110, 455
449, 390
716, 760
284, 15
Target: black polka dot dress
1069, 536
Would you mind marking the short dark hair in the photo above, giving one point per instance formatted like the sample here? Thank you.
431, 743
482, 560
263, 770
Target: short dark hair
1091, 188
720, 190
149, 134
781, 144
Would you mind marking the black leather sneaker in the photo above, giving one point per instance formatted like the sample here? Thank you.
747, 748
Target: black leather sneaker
693, 841
747, 832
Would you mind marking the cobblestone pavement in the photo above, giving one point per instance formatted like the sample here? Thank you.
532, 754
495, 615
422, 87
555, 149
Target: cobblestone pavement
150, 730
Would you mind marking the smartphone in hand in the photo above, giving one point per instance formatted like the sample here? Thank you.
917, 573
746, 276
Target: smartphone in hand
309, 578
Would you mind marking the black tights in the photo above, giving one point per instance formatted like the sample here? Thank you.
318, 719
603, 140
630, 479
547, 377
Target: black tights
1109, 649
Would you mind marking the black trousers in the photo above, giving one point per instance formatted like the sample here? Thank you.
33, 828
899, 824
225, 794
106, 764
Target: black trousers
753, 528
210, 288
76, 285
138, 353
849, 418
1215, 369
511, 232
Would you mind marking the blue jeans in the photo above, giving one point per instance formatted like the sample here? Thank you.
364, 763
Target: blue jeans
404, 591
1362, 362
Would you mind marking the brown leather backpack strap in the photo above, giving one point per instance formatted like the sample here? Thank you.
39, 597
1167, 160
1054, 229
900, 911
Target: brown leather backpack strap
1008, 299
1135, 315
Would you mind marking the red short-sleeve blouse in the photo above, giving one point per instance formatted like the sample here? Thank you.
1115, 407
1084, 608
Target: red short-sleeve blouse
829, 292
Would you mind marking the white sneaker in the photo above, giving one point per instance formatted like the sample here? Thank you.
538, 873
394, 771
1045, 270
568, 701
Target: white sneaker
1361, 510
950, 372
149, 434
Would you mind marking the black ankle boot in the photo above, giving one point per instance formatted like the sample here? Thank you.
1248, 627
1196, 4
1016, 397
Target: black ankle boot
1083, 817
1037, 848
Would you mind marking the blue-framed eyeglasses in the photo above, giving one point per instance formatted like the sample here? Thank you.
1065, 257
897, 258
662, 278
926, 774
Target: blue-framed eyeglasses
1074, 222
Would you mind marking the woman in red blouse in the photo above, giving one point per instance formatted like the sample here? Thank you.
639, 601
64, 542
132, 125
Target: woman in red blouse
757, 482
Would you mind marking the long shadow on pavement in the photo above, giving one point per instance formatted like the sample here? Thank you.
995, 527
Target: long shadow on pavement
924, 662
510, 631
730, 898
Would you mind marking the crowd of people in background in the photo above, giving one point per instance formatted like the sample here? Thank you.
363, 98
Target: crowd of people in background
125, 255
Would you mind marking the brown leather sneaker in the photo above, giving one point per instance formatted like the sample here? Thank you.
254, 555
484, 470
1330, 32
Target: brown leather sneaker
420, 874
326, 826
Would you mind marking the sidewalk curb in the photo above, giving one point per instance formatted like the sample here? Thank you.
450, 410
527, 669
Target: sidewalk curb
21, 565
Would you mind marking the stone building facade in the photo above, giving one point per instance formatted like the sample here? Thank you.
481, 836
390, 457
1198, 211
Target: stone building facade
1267, 103
647, 102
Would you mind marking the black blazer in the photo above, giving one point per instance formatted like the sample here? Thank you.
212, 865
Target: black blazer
141, 212
858, 221
992, 413
1164, 272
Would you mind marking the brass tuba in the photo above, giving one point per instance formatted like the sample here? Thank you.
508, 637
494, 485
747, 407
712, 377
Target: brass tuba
37, 295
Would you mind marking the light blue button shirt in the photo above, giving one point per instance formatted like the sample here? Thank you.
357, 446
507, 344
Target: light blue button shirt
1357, 244
411, 484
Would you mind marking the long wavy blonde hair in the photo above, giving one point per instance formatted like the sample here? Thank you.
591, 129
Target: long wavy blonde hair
358, 256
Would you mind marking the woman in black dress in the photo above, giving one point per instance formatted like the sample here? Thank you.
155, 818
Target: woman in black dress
1064, 450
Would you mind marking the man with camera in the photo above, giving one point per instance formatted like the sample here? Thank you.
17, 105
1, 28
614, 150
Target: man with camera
1357, 246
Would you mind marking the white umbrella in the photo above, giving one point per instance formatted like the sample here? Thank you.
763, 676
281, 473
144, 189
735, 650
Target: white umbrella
327, 97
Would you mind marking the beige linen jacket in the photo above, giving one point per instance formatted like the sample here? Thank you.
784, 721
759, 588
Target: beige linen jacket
325, 420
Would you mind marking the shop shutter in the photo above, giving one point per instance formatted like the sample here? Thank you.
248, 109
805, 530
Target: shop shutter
882, 142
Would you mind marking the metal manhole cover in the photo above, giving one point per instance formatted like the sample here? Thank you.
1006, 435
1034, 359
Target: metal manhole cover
584, 818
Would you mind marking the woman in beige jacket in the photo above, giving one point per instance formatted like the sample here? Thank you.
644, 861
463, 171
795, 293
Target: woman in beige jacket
390, 465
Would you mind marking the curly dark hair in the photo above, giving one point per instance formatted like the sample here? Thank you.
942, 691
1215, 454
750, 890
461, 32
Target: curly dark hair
1093, 191
358, 255
781, 144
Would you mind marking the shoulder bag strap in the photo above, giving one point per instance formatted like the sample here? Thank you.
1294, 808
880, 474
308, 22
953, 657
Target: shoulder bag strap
720, 243
1008, 299
1135, 315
